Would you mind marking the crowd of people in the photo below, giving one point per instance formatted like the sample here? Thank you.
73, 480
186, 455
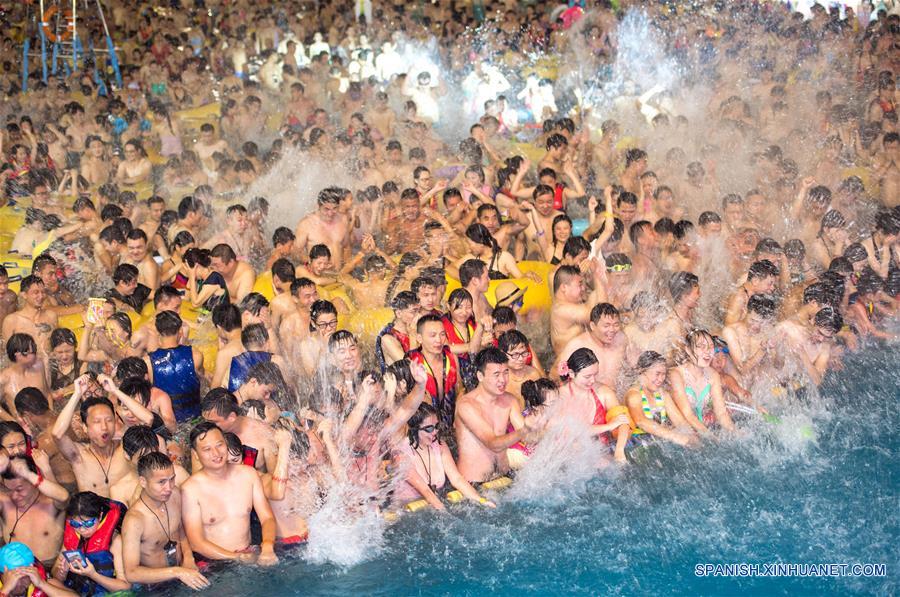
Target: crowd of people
183, 387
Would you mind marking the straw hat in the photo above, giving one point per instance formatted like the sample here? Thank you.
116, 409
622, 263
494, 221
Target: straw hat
507, 292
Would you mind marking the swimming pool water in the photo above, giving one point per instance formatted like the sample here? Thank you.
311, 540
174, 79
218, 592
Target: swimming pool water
773, 496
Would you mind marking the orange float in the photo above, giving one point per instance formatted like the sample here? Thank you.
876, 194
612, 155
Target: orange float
51, 33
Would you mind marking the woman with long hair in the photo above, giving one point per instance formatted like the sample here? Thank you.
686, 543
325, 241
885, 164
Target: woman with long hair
651, 406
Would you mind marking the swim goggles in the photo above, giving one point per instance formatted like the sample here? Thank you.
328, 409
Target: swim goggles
428, 428
83, 524
622, 267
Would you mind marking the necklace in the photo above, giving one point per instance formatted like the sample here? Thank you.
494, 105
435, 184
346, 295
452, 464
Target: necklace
427, 467
165, 529
12, 532
105, 471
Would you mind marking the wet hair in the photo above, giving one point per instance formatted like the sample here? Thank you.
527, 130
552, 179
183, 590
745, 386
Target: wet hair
182, 239
479, 234
87, 504
18, 344
709, 217
167, 323
887, 222
471, 269
856, 252
534, 391
282, 235
153, 461
223, 252
61, 336
761, 304
691, 341
820, 195
227, 317
832, 219
7, 427
556, 140
9, 475
637, 230
139, 437
768, 245
165, 293
504, 316
488, 356
817, 292
200, 430
564, 275
320, 307
320, 250
458, 297
626, 197
254, 334
581, 359
648, 359
422, 282
341, 337
795, 249
681, 283
841, 265
634, 155
663, 226
762, 269
829, 319
869, 283
31, 401
131, 367
508, 340
428, 318
575, 245
220, 401
424, 411
253, 303
603, 310
90, 402
125, 272
138, 388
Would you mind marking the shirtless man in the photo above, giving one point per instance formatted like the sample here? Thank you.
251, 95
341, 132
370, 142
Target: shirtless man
25, 370
156, 205
138, 256
381, 117
166, 298
541, 217
761, 279
750, 340
217, 500
605, 339
8, 298
155, 548
32, 506
645, 256
570, 311
483, 417
33, 318
474, 277
56, 298
325, 226
283, 303
295, 325
220, 406
813, 346
515, 346
207, 145
236, 233
99, 463
239, 276
35, 416
635, 165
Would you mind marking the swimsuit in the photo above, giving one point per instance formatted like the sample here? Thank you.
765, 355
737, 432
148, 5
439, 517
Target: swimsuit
241, 364
174, 374
656, 412
702, 404
493, 272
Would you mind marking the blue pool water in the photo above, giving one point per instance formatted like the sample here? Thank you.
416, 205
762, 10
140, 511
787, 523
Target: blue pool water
774, 497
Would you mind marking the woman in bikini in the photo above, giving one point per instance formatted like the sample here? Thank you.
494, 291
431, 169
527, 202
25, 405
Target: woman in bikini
560, 232
135, 169
651, 406
95, 165
586, 400
501, 264
696, 386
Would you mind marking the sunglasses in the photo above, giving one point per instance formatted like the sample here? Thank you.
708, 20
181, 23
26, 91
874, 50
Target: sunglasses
722, 349
428, 428
83, 524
